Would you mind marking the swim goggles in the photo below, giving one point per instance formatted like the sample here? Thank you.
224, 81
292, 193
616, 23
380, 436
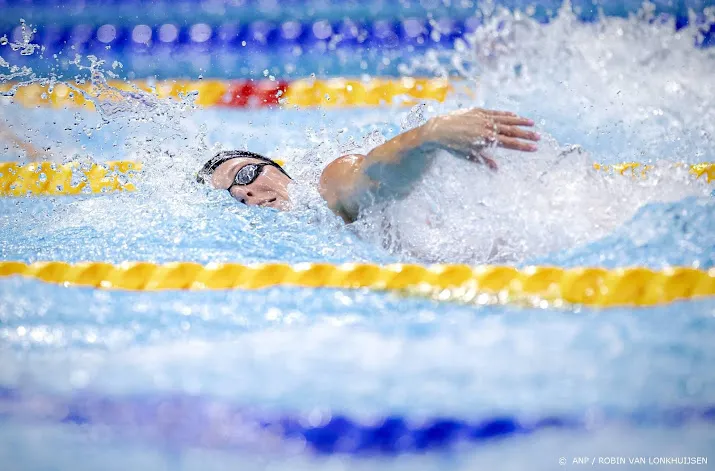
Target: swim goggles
249, 173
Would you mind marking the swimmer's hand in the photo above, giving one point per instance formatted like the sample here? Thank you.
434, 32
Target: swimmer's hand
469, 132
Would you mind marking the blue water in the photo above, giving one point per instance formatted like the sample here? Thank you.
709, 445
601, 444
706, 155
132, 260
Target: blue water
613, 382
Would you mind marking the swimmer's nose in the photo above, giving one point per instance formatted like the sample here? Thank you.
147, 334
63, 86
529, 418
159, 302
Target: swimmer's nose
246, 198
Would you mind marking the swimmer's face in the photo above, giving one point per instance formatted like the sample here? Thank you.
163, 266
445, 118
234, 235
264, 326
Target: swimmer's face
269, 189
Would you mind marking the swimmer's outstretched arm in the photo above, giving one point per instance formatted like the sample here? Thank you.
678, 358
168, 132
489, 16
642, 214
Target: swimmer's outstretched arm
390, 170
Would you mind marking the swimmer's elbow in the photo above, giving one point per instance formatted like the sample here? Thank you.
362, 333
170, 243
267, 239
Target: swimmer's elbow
340, 184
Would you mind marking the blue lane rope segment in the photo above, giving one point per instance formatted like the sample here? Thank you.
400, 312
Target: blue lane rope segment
418, 33
181, 420
346, 33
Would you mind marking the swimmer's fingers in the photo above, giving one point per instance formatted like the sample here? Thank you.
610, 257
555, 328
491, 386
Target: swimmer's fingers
515, 131
515, 144
512, 120
482, 158
499, 113
507, 117
501, 117
481, 112
491, 163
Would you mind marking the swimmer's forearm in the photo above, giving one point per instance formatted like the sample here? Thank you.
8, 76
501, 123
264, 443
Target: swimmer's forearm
355, 181
465, 133
434, 134
403, 159
390, 170
402, 145
405, 155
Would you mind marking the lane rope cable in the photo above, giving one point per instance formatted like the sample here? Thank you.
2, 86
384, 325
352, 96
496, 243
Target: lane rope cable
488, 284
334, 92
73, 178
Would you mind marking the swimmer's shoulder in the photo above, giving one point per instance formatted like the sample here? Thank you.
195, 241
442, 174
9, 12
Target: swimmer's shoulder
339, 181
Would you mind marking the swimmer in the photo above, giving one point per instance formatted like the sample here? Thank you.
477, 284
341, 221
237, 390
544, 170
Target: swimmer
352, 182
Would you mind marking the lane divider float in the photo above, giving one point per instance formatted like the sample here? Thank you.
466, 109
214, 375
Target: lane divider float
183, 420
334, 92
598, 287
639, 170
73, 178
416, 31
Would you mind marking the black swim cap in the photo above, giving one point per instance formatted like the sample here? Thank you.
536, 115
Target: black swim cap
225, 155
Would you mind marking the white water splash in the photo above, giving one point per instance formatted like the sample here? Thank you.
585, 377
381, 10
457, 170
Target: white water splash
158, 132
624, 89
585, 84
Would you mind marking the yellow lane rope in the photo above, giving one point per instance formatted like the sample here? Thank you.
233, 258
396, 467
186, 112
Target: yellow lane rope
587, 286
639, 170
338, 92
49, 178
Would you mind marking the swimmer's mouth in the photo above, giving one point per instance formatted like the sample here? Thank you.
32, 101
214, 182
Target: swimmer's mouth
267, 202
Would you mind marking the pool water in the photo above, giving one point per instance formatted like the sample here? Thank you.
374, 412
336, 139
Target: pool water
630, 381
